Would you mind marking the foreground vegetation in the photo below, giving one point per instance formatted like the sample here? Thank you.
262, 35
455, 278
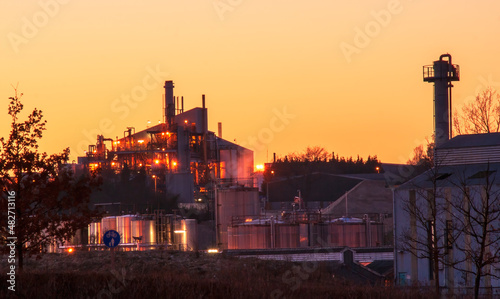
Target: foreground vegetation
162, 274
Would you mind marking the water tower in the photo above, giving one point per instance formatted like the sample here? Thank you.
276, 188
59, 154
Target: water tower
442, 72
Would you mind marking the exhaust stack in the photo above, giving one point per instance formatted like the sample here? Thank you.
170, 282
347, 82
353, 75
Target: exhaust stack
442, 73
169, 103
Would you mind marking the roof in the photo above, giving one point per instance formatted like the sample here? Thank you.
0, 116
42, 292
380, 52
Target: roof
313, 187
472, 140
455, 175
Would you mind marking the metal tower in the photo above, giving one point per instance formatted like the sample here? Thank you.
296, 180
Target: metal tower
442, 72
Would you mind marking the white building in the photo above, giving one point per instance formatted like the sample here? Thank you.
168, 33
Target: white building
462, 188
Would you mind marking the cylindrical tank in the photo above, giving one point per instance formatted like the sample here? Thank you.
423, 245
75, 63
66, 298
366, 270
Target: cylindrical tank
287, 236
191, 234
144, 229
234, 202
149, 232
95, 233
249, 237
136, 228
108, 223
123, 227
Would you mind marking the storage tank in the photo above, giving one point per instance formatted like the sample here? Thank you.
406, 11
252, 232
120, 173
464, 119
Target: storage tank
249, 237
234, 202
123, 227
108, 223
95, 233
145, 229
287, 236
191, 234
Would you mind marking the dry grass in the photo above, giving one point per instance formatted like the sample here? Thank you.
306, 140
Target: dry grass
157, 274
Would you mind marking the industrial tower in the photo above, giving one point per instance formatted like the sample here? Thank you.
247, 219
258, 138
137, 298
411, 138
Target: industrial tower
442, 72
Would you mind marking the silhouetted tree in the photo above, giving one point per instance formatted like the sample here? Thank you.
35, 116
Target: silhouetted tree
50, 202
423, 157
318, 159
479, 116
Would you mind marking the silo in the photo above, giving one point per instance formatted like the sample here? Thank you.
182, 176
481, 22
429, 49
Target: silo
148, 232
191, 231
287, 236
95, 233
249, 236
108, 223
234, 202
123, 227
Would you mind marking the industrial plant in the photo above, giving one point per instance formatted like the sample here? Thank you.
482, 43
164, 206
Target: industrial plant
183, 159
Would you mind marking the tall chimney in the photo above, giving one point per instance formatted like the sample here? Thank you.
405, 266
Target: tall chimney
219, 125
442, 72
169, 102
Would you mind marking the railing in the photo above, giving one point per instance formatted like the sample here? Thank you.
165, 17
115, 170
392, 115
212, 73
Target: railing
305, 217
453, 73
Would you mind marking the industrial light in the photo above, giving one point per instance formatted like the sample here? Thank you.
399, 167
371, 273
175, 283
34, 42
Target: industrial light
259, 167
70, 250
179, 231
157, 161
185, 121
213, 250
174, 163
141, 141
112, 163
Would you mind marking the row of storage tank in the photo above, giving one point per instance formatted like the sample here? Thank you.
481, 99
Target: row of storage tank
145, 232
240, 225
278, 234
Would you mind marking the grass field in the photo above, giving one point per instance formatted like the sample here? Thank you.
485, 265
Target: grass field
163, 274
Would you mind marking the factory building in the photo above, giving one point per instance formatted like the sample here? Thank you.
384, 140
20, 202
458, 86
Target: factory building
180, 154
441, 216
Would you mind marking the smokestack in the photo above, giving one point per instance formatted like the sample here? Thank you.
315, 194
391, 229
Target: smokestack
205, 129
219, 125
442, 72
169, 102
203, 101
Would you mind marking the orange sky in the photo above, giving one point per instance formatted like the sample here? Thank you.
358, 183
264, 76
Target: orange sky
347, 73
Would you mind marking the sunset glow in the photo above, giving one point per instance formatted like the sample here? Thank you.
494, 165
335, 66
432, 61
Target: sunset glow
280, 76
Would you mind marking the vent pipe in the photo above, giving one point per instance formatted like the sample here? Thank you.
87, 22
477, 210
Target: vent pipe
169, 103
